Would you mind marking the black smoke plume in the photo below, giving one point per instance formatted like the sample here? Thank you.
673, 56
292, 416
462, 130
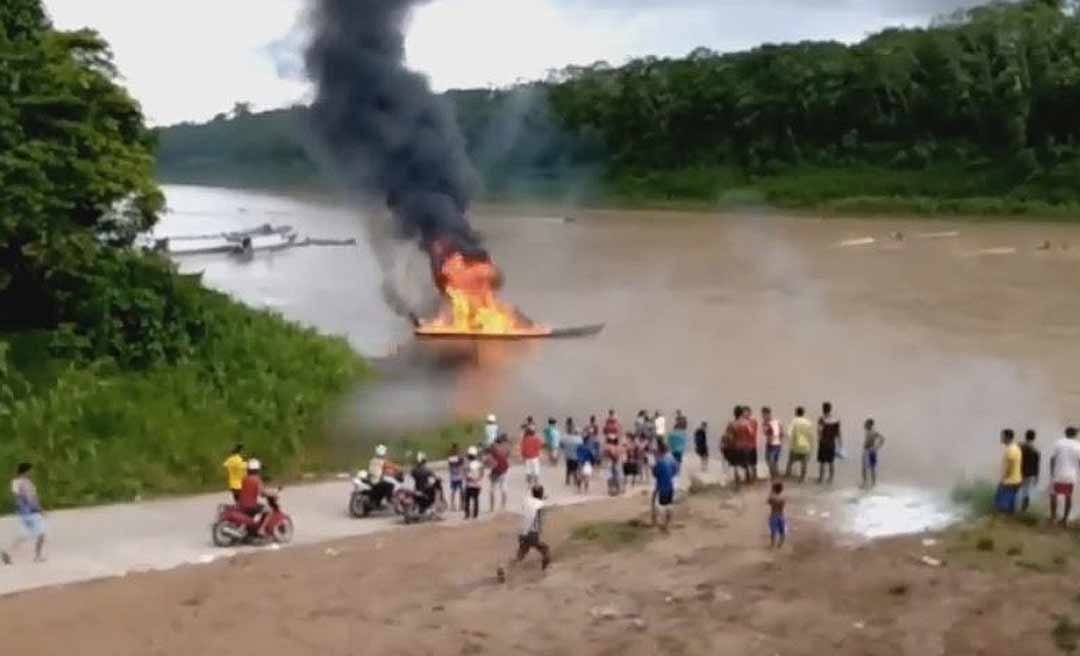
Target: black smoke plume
383, 130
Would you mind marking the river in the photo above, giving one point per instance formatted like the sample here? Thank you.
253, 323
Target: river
945, 336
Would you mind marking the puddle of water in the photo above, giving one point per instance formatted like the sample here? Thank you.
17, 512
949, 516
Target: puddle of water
892, 510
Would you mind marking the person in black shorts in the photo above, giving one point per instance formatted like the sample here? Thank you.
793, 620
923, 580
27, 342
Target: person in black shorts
728, 448
701, 445
828, 443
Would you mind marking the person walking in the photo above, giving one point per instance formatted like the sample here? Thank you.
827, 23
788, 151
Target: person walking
529, 538
235, 469
664, 472
1029, 468
1064, 471
701, 445
801, 434
474, 477
571, 440
1011, 474
28, 510
774, 441
829, 443
872, 443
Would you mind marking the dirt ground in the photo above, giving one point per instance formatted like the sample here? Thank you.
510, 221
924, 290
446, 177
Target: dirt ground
710, 586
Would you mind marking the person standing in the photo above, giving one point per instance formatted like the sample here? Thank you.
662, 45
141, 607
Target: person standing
801, 433
753, 441
499, 456
745, 445
677, 440
701, 445
474, 477
587, 459
774, 441
1064, 471
829, 442
1029, 468
729, 447
552, 437
872, 443
531, 448
664, 472
456, 470
777, 522
571, 440
491, 431
28, 510
236, 469
1011, 474
660, 425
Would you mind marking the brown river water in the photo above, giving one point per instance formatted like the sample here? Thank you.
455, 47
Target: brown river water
944, 337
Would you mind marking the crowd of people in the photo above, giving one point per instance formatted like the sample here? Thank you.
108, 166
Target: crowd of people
1021, 468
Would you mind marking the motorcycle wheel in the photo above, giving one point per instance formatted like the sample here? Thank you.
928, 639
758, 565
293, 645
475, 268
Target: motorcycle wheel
358, 506
283, 531
219, 535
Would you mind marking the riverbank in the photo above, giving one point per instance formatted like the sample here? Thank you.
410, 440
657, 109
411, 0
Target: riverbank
97, 431
711, 586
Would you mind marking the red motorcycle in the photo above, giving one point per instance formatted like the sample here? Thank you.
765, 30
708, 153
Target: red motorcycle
235, 527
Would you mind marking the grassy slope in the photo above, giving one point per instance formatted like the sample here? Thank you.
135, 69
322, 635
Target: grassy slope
97, 433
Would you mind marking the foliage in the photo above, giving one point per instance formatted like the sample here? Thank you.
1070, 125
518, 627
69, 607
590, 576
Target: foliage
977, 496
102, 432
611, 534
978, 106
75, 163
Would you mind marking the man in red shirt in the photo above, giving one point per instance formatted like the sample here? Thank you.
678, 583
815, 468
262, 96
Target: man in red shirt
531, 448
251, 491
746, 444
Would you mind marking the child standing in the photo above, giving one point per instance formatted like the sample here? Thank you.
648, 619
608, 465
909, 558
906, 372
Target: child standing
586, 460
456, 467
872, 444
777, 523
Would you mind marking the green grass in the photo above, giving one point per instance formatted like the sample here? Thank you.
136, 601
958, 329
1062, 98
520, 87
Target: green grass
98, 433
1066, 633
610, 534
977, 496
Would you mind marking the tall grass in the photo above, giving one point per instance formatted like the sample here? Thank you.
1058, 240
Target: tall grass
97, 432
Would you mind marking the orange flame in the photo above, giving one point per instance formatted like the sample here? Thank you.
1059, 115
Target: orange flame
473, 307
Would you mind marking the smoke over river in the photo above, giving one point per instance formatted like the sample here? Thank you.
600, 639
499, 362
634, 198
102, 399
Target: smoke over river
387, 137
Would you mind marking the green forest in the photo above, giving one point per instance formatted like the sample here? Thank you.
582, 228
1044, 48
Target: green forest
973, 114
118, 377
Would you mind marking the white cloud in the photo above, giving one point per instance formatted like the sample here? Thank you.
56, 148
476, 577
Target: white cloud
189, 60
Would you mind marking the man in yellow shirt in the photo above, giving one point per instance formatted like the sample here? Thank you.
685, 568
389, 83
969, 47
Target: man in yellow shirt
801, 432
236, 467
1011, 474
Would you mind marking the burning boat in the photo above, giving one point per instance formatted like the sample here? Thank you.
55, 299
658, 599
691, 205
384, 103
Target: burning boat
470, 284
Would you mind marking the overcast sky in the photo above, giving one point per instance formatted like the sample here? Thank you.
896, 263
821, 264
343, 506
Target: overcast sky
189, 60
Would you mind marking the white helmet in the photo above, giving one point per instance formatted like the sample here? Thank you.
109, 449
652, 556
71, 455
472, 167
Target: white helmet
420, 457
380, 450
254, 465
491, 419
473, 451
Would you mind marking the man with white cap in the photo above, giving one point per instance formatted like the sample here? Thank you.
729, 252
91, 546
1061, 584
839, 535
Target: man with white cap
491, 431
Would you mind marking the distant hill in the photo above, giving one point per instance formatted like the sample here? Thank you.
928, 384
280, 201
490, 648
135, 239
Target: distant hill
975, 114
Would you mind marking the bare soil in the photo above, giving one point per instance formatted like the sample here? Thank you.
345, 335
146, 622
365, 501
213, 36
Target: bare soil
710, 586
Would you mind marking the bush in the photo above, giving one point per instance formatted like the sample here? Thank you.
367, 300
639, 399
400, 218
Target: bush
99, 431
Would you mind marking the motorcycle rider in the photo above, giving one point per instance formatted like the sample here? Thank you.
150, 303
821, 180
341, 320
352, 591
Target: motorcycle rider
423, 483
377, 468
251, 491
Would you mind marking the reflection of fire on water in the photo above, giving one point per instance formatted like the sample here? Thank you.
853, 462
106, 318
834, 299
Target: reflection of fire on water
469, 285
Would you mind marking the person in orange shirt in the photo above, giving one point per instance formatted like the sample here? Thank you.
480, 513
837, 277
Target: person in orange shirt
531, 448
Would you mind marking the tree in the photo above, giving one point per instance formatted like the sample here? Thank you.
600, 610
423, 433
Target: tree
242, 109
76, 165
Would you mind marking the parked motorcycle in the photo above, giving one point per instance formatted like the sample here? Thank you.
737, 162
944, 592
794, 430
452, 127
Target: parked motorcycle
407, 503
367, 497
235, 527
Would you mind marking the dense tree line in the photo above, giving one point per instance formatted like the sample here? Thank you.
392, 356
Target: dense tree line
980, 104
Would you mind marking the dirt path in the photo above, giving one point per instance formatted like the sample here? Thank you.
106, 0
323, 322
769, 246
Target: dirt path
106, 541
617, 587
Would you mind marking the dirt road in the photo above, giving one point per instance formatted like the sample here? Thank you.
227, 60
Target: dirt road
711, 586
115, 540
